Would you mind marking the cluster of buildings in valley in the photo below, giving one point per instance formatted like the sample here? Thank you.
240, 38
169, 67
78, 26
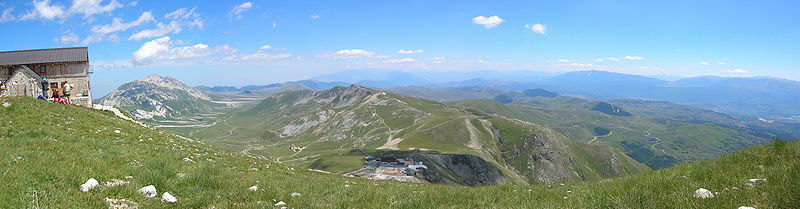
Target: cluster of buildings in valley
391, 168
23, 73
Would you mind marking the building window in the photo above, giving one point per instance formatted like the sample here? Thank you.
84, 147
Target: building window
42, 70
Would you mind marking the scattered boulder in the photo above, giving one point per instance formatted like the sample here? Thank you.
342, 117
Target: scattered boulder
115, 182
746, 207
253, 188
121, 203
757, 180
168, 198
295, 194
149, 191
188, 160
280, 204
346, 186
116, 131
90, 184
703, 194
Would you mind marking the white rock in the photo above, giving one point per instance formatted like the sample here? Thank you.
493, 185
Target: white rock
295, 194
188, 160
149, 191
280, 204
90, 184
6, 104
128, 177
745, 207
346, 186
168, 198
116, 182
253, 188
703, 194
114, 203
757, 180
569, 192
116, 131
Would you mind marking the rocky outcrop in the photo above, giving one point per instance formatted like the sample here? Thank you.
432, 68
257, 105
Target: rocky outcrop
461, 170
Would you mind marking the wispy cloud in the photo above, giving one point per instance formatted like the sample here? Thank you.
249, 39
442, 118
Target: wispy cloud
265, 47
42, 9
536, 28
734, 71
704, 63
118, 25
7, 16
633, 58
584, 65
238, 9
563, 60
179, 19
439, 60
314, 16
403, 60
488, 22
350, 53
410, 51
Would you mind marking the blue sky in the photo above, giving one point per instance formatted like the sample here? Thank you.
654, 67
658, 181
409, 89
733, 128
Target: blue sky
259, 42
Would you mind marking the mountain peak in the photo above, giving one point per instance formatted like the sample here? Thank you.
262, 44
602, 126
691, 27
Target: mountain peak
172, 83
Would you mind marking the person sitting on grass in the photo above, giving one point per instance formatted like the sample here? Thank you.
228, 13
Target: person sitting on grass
2, 87
56, 96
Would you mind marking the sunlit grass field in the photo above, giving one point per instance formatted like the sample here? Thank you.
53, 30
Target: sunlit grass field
48, 150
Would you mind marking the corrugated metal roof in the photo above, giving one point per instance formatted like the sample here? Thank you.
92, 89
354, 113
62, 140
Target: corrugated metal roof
75, 54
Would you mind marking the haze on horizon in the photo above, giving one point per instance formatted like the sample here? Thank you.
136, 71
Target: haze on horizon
238, 43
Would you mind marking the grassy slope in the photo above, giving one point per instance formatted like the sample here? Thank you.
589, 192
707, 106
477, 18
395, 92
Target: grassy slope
680, 141
56, 157
425, 124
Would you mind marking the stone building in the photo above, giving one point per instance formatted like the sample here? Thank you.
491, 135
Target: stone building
58, 65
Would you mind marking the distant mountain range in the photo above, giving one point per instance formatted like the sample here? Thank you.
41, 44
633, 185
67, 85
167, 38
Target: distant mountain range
311, 84
770, 98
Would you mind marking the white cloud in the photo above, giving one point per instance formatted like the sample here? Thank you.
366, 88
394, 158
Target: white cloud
563, 60
612, 58
721, 63
400, 60
439, 60
584, 65
314, 16
258, 56
599, 60
133, 3
349, 54
238, 9
734, 71
410, 51
634, 58
274, 24
704, 63
182, 13
265, 47
536, 28
92, 7
162, 49
43, 9
68, 39
174, 26
7, 16
118, 25
489, 22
